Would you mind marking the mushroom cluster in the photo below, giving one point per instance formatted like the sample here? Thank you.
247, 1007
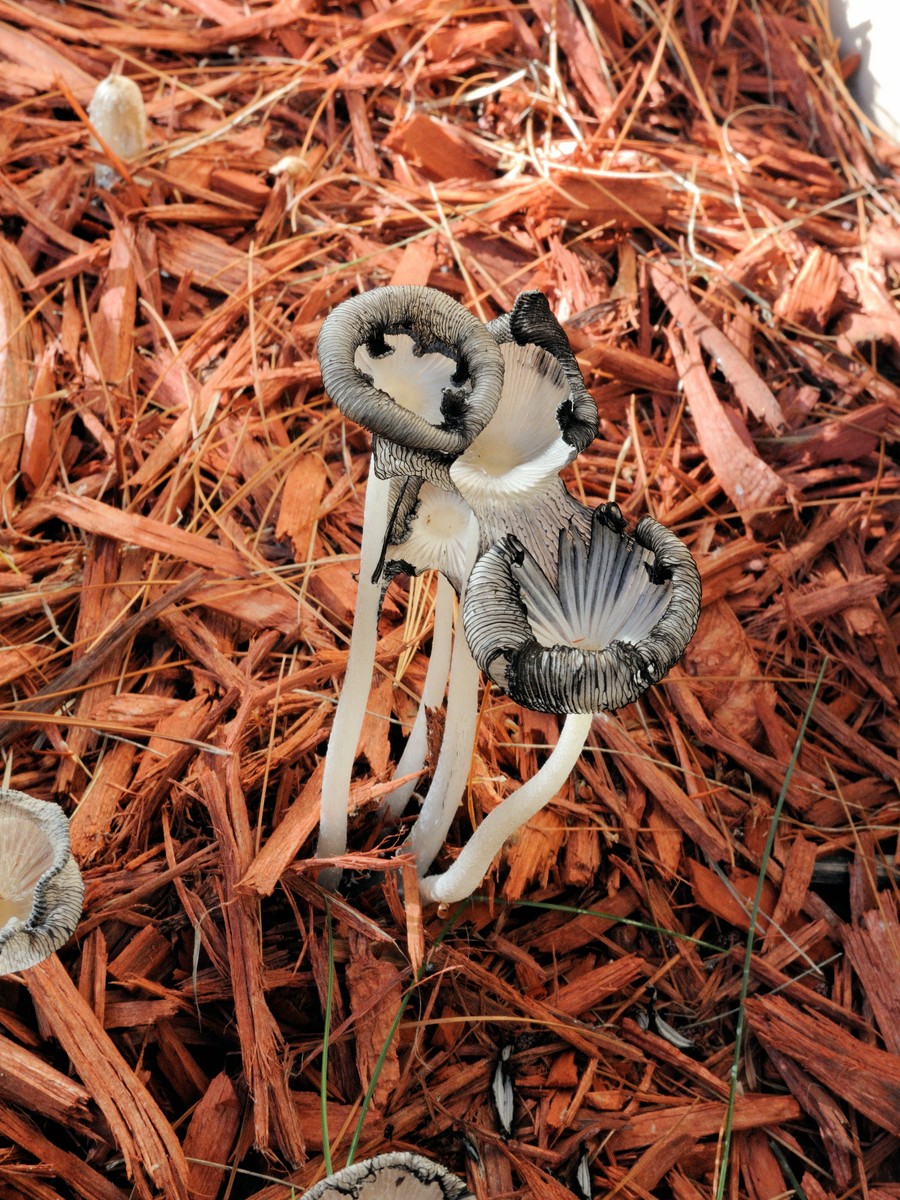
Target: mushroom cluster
562, 607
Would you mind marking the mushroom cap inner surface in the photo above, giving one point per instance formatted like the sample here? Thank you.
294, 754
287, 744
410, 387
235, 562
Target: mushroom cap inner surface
26, 853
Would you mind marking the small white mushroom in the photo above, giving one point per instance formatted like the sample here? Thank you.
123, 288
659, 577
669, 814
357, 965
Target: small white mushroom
620, 615
397, 1176
41, 890
117, 113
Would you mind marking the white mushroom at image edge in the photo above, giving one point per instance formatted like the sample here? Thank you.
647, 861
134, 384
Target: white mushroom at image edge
423, 375
41, 889
398, 1176
117, 114
621, 613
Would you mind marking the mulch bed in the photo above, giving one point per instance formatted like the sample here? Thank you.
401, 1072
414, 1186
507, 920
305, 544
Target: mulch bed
718, 230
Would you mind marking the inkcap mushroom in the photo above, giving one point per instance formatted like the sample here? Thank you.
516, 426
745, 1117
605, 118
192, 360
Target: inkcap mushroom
423, 375
397, 1176
41, 889
619, 616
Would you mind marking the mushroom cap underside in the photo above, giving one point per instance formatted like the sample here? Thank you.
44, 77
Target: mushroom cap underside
620, 616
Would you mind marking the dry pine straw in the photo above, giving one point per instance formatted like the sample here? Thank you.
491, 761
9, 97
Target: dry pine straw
181, 511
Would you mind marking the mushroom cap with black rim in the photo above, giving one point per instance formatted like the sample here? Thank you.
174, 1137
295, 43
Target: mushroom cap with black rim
416, 369
530, 322
41, 889
397, 1176
618, 618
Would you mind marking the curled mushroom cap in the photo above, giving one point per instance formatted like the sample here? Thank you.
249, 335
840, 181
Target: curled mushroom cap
415, 368
399, 1176
620, 615
530, 322
41, 890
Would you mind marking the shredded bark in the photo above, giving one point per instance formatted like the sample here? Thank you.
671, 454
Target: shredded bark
181, 505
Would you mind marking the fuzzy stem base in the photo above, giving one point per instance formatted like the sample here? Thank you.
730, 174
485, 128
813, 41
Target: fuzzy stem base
461, 879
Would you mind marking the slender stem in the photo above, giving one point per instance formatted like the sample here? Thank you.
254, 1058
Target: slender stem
326, 1035
351, 706
461, 879
414, 752
455, 758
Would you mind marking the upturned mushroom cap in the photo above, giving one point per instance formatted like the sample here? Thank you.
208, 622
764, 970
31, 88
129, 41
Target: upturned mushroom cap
530, 322
620, 616
41, 890
429, 531
397, 1176
413, 367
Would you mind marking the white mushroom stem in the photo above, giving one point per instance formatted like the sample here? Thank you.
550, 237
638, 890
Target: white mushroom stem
414, 752
455, 759
461, 879
351, 706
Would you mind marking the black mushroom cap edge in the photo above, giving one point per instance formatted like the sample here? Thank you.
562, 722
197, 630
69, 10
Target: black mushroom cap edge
437, 324
564, 678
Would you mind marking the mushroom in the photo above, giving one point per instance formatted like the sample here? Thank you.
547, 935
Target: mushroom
397, 1176
509, 476
619, 616
117, 114
41, 890
424, 376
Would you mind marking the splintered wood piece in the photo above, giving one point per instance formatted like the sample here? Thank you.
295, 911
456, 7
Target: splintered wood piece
874, 951
375, 988
210, 1138
69, 1168
262, 1045
437, 148
867, 1077
15, 357
27, 1081
750, 389
153, 1155
751, 484
296, 826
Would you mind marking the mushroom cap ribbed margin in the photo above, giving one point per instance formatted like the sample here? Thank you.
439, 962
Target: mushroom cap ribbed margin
437, 323
58, 894
359, 1182
564, 678
531, 322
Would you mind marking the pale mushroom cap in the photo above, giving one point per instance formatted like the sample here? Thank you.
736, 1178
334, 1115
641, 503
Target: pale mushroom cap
117, 113
368, 345
41, 889
433, 535
531, 322
523, 445
398, 1176
622, 611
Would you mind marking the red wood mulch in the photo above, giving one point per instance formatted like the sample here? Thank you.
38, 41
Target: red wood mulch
181, 510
